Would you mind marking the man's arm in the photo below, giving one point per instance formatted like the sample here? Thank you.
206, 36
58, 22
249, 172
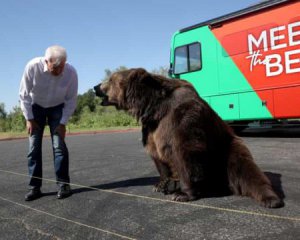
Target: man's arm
70, 99
69, 105
24, 93
26, 100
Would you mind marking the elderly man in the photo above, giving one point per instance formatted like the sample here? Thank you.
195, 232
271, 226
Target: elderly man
48, 94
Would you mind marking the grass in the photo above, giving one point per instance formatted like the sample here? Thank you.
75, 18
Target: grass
78, 130
16, 135
12, 135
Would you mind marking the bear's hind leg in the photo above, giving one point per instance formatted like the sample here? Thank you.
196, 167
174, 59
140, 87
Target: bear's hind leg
246, 179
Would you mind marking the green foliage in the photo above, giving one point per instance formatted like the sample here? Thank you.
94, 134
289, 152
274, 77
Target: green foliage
103, 117
16, 121
89, 114
3, 124
85, 100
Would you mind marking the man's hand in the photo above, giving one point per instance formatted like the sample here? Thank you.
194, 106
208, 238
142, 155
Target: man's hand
31, 126
61, 130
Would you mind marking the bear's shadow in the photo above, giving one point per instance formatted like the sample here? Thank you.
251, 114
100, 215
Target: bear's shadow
144, 181
274, 178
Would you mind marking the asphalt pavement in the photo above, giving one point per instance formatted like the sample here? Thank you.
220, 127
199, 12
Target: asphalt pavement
112, 179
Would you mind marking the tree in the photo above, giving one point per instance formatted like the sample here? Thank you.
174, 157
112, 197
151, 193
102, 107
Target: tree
2, 111
161, 71
109, 72
85, 100
3, 114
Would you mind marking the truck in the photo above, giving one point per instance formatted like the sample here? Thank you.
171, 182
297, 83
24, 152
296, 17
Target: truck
246, 64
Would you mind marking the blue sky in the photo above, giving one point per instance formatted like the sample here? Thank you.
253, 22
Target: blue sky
98, 34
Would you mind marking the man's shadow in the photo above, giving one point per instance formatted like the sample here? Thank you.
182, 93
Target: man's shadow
274, 178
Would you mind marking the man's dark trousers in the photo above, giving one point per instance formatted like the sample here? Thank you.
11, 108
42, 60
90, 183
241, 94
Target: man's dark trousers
52, 117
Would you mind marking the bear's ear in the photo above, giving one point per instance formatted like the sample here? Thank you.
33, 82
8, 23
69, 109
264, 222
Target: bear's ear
137, 73
141, 77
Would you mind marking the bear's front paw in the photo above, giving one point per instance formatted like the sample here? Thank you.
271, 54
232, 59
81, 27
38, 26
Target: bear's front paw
161, 186
182, 197
172, 187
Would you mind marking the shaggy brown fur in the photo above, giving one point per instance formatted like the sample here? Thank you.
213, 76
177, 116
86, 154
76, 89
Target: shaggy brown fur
187, 140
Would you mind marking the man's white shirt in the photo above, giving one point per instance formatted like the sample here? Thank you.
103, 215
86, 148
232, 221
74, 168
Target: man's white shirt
39, 86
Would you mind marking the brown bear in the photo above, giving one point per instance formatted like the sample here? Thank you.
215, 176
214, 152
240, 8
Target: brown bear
189, 143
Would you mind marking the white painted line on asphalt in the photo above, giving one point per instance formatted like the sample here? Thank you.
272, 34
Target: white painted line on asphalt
296, 219
67, 220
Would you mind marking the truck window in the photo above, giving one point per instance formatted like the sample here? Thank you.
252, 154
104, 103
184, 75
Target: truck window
187, 58
181, 63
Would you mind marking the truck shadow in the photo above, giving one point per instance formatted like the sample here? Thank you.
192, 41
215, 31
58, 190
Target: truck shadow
271, 132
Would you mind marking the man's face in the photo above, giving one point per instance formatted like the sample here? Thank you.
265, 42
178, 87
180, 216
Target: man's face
53, 69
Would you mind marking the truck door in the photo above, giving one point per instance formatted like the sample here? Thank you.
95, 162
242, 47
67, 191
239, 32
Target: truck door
194, 59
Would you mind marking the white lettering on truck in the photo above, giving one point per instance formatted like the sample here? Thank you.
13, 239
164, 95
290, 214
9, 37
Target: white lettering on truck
275, 63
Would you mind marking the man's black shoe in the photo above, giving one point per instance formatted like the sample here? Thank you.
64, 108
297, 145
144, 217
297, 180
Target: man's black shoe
33, 194
64, 192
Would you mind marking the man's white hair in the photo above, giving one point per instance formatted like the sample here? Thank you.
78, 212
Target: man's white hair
56, 54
